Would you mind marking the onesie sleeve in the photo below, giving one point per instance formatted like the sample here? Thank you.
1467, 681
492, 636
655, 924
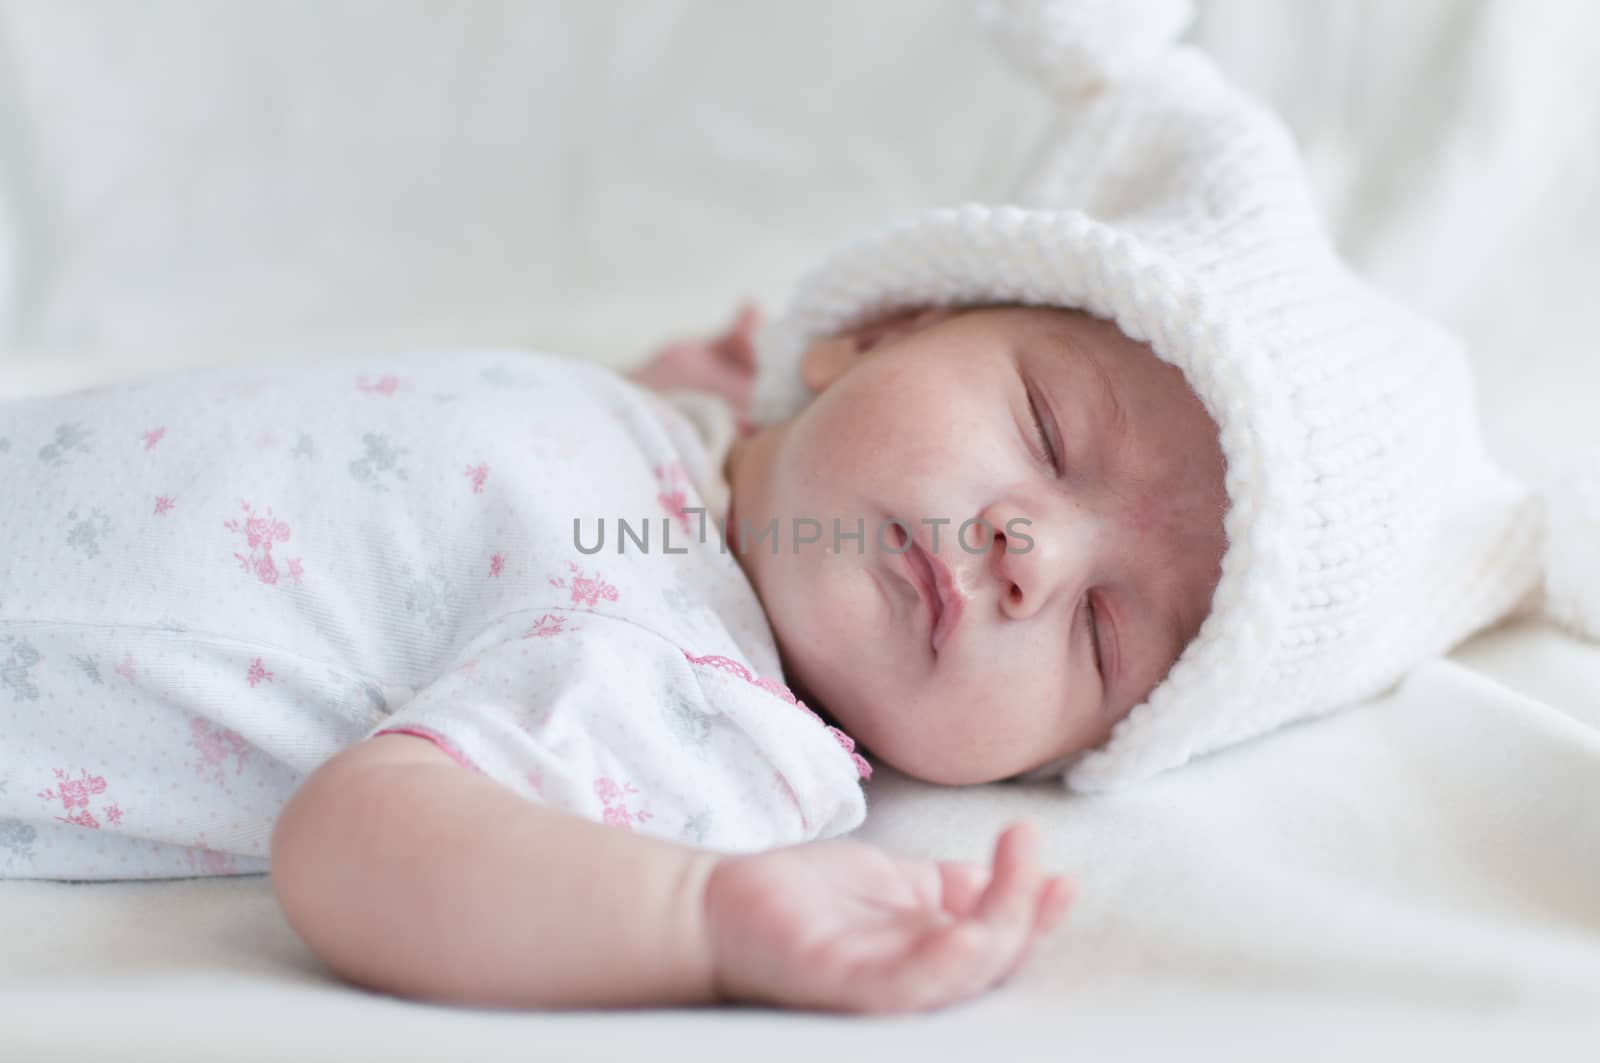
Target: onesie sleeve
606, 719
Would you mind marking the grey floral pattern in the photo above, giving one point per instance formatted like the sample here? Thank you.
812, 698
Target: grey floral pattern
85, 532
688, 722
686, 605
501, 377
70, 438
90, 668
696, 825
381, 457
5, 445
18, 837
305, 447
430, 598
16, 668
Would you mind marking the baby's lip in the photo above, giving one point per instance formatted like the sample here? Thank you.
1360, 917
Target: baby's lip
944, 602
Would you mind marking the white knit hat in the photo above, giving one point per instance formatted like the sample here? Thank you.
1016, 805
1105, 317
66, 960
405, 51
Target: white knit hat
1367, 527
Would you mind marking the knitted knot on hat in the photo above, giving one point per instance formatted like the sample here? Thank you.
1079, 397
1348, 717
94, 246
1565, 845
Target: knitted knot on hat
1367, 528
1074, 47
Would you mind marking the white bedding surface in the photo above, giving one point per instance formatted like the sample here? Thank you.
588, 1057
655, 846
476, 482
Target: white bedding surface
1417, 875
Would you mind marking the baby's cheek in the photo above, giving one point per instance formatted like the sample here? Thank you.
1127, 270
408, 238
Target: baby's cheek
1146, 513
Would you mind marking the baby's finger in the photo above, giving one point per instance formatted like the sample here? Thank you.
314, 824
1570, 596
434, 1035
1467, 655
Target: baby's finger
1055, 898
748, 319
962, 884
960, 960
922, 877
1050, 905
737, 350
1008, 909
997, 953
1003, 951
1008, 901
738, 342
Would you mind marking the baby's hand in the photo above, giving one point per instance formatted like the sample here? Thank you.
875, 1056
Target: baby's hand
845, 926
723, 365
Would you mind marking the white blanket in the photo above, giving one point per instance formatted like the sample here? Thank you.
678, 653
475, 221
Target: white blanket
1416, 877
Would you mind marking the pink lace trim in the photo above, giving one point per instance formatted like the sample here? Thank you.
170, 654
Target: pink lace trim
437, 739
772, 686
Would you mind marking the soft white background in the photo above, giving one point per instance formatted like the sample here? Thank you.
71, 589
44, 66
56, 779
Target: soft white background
186, 181
201, 182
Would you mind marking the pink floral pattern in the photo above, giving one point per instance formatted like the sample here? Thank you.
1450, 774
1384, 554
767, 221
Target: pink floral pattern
75, 796
215, 744
672, 496
127, 668
478, 474
386, 385
497, 564
164, 505
154, 436
548, 626
258, 673
614, 797
260, 532
586, 591
203, 861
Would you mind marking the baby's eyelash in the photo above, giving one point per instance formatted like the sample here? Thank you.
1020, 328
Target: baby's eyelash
1043, 437
1094, 635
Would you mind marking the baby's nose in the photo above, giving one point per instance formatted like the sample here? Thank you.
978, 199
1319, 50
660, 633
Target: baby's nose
1032, 561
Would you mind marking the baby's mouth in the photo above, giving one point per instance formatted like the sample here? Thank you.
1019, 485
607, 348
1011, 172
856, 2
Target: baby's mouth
928, 585
932, 582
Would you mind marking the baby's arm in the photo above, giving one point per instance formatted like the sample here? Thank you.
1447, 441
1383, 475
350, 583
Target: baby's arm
407, 873
410, 874
724, 365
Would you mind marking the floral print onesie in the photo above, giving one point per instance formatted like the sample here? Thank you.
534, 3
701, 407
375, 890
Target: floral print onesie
211, 582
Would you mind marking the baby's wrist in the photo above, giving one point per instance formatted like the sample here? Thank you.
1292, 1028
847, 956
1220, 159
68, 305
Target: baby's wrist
698, 948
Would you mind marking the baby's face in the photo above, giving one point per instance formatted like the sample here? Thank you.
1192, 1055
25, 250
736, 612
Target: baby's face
963, 662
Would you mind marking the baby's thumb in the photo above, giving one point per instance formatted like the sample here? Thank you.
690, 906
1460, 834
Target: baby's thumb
739, 340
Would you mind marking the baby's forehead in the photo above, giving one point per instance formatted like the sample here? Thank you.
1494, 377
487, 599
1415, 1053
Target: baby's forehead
1157, 449
1133, 427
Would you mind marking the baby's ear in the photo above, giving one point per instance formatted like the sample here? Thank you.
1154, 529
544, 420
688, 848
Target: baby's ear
824, 361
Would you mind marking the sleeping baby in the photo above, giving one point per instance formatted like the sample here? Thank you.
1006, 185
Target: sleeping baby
534, 685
